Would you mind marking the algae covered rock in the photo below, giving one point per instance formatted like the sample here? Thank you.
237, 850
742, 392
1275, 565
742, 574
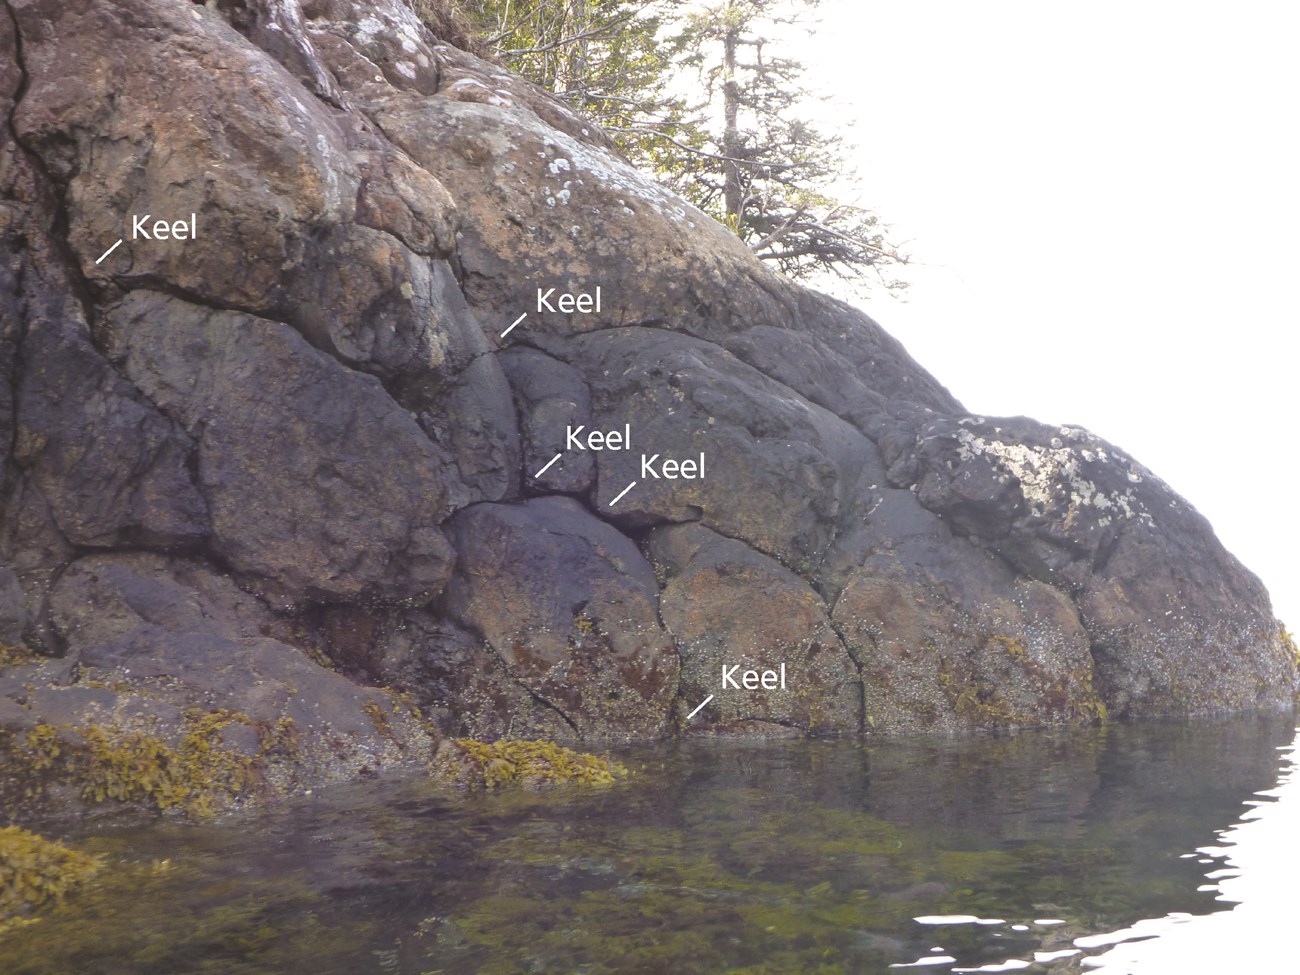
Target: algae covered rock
172, 697
708, 605
516, 762
36, 872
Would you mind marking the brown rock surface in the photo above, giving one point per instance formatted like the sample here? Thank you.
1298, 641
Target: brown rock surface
734, 610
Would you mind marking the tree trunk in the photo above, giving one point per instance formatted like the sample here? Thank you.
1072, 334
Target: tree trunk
573, 70
732, 193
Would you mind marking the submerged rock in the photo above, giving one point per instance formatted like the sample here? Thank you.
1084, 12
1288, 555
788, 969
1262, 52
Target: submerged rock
287, 447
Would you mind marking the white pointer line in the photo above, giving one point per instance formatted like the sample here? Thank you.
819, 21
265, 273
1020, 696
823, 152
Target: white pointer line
697, 710
538, 475
621, 493
109, 251
513, 324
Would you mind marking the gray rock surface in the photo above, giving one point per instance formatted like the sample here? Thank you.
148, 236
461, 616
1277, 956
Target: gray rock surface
462, 683
114, 471
158, 648
319, 483
302, 439
570, 605
13, 608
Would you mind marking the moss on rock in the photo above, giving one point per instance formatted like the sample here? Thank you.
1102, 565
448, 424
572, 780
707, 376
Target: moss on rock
1289, 644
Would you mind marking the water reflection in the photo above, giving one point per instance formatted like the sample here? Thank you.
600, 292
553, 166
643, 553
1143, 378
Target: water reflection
1260, 857
1032, 852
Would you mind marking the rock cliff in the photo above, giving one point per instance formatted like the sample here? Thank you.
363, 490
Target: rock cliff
279, 457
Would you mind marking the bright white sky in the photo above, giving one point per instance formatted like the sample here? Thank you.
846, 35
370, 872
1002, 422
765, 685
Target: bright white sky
1103, 200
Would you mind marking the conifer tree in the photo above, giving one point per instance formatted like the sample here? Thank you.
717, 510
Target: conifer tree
773, 173
703, 96
608, 58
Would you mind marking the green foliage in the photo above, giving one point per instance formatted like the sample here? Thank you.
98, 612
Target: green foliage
35, 872
701, 97
517, 762
772, 174
607, 58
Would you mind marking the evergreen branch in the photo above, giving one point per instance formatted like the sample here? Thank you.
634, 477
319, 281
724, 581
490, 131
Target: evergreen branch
606, 28
698, 152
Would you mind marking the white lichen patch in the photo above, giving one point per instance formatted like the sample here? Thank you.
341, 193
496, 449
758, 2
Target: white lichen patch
368, 29
540, 155
473, 90
616, 176
1052, 474
385, 30
330, 168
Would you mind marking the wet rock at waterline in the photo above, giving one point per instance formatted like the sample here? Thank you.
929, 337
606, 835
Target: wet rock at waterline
344, 376
570, 605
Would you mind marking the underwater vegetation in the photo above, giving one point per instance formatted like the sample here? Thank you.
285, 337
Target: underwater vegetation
758, 891
164, 917
715, 858
36, 872
13, 654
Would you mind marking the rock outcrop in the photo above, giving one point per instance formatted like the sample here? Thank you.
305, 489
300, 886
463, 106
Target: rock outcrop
280, 458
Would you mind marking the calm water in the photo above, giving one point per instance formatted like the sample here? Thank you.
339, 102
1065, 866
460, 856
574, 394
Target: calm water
1036, 852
